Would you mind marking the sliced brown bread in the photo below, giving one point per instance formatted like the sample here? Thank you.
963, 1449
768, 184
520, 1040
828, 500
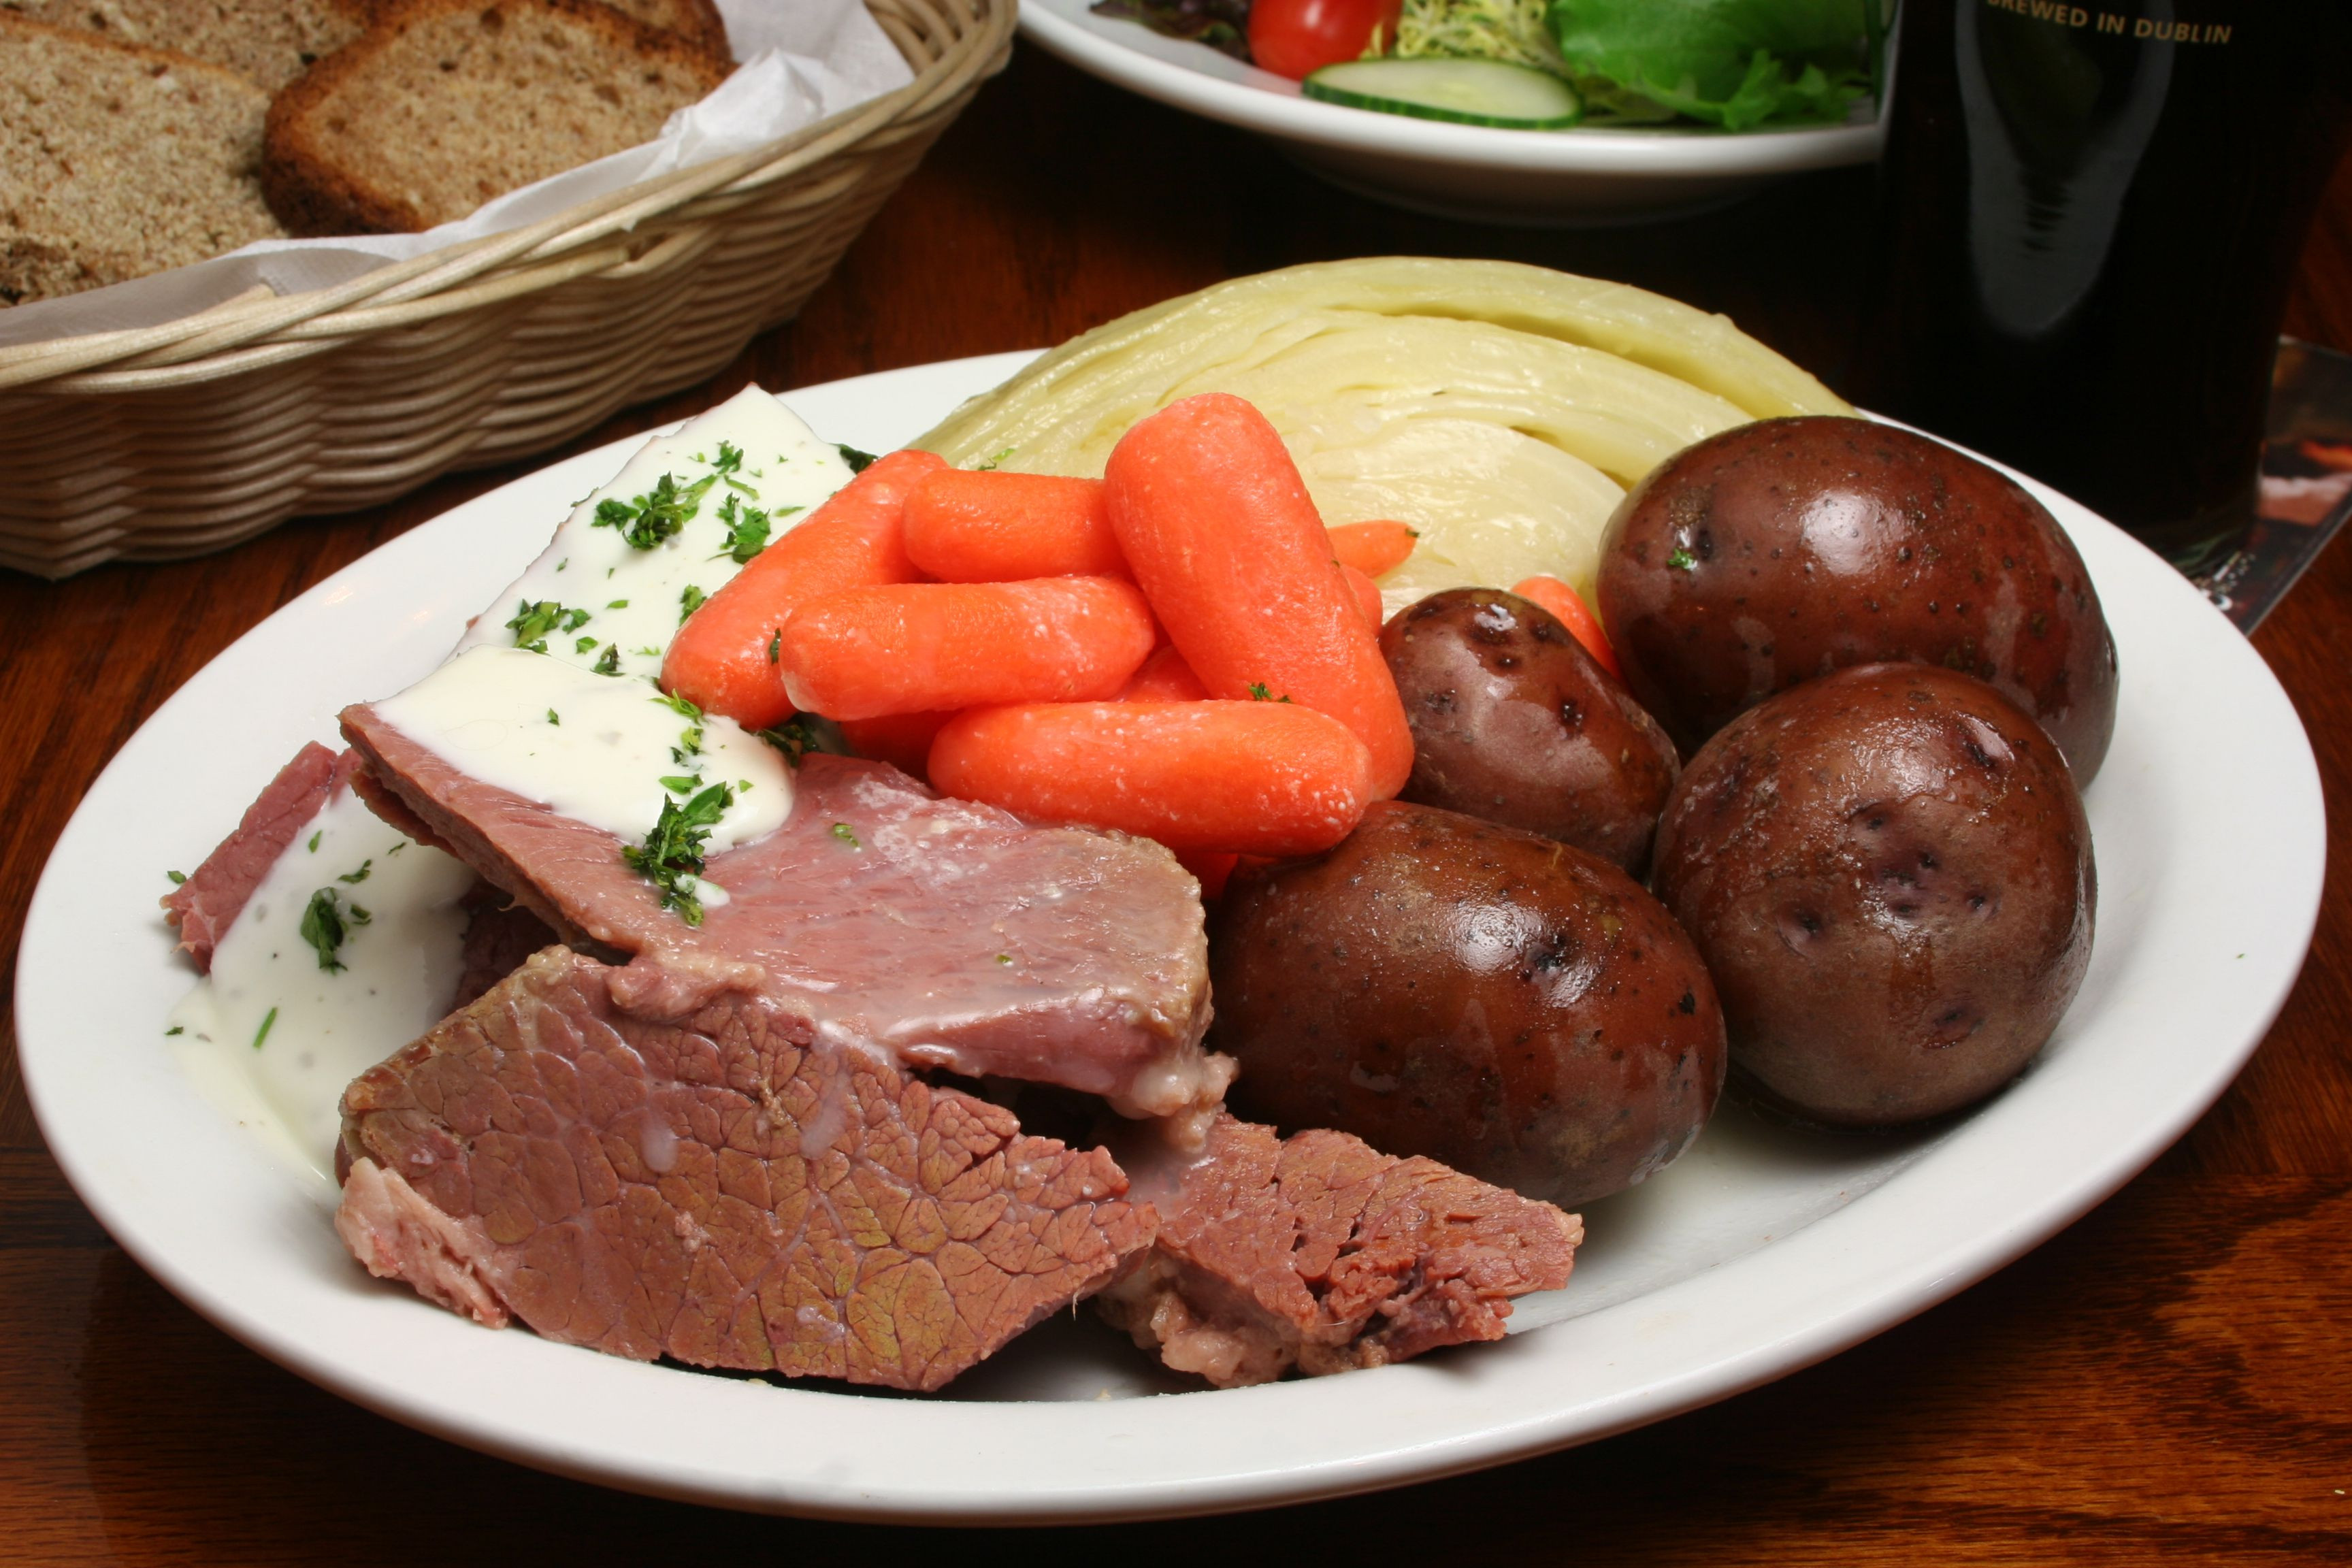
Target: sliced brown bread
117, 160
268, 42
696, 21
446, 103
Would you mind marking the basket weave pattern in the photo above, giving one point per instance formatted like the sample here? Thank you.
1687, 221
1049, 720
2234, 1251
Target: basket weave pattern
174, 440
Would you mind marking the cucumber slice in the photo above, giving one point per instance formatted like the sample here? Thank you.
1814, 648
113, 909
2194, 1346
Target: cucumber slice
1468, 92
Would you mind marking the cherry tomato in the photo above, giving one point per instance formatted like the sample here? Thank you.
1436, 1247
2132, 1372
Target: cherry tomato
1292, 37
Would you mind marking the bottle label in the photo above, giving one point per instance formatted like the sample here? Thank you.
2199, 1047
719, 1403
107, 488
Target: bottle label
2156, 29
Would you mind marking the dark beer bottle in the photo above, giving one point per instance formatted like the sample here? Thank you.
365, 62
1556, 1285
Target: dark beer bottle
2090, 216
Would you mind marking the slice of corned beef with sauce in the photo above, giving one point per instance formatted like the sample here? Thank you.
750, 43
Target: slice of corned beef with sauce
946, 933
205, 905
726, 1189
1318, 1251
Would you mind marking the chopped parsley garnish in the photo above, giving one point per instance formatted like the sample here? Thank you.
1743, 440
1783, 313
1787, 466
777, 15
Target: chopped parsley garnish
731, 461
397, 848
689, 747
553, 717
1682, 559
354, 878
776, 651
649, 652
990, 466
858, 461
609, 661
177, 877
1259, 692
671, 858
841, 830
326, 922
533, 622
680, 784
263, 1032
747, 531
176, 1029
793, 738
1004, 958
656, 515
689, 599
314, 840
683, 707
618, 605
582, 645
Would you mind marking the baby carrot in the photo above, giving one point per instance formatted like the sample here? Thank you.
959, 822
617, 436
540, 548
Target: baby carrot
1269, 778
1217, 526
724, 657
1164, 678
902, 740
1571, 611
1367, 592
908, 647
1375, 549
1213, 868
990, 527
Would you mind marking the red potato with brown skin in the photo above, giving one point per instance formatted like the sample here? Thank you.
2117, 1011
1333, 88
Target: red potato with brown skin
1514, 722
1780, 551
1889, 873
1497, 1000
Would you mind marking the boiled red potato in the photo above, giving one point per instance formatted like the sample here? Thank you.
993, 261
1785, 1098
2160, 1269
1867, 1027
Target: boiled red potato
1889, 874
1439, 985
1785, 549
1514, 722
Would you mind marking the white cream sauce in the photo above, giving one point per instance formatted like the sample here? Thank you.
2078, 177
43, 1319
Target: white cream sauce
273, 1013
620, 604
605, 763
602, 750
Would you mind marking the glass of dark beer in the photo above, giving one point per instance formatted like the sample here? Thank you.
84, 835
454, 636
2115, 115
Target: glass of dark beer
2090, 217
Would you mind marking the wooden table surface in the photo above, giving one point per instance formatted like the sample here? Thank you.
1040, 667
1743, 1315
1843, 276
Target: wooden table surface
2169, 1379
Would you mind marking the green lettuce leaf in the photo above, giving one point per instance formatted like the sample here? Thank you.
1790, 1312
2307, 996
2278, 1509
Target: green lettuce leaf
1733, 63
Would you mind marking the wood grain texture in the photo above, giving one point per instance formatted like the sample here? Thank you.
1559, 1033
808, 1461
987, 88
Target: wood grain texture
2168, 1381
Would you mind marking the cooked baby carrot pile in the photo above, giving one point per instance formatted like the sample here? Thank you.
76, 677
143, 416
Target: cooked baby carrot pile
1375, 549
1367, 594
902, 740
724, 659
1570, 610
1261, 778
1164, 678
1220, 535
865, 653
990, 527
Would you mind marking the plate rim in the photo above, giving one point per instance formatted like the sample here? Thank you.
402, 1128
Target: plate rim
1929, 1275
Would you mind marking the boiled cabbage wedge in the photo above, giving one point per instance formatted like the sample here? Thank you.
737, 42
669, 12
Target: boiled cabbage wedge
1499, 409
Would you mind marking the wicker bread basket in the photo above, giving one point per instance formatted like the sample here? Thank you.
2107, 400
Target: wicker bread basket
176, 439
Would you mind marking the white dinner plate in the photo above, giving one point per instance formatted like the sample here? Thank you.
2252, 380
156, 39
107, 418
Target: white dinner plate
1760, 1251
1595, 174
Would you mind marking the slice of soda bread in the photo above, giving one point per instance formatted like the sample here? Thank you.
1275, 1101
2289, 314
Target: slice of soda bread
696, 21
444, 104
117, 160
268, 42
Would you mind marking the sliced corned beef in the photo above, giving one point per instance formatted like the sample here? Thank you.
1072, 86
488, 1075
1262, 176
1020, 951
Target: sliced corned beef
947, 933
1318, 1251
499, 936
726, 1189
205, 905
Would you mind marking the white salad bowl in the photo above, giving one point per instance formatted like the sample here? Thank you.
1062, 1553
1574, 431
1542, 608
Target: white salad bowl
1591, 175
